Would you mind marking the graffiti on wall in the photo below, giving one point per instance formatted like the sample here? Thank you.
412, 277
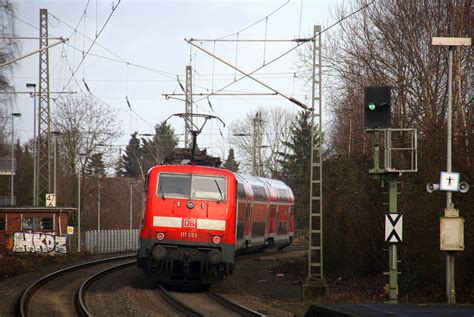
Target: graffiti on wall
24, 242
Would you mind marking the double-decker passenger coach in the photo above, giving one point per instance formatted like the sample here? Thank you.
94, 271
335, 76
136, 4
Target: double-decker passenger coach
196, 219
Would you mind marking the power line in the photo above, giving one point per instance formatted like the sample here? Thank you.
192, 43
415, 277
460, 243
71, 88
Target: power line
19, 19
292, 49
256, 22
86, 36
123, 61
119, 58
93, 42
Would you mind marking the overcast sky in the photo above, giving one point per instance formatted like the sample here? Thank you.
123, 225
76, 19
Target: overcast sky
151, 34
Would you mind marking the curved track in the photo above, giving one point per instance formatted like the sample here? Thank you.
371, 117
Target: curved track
80, 302
54, 294
203, 304
63, 293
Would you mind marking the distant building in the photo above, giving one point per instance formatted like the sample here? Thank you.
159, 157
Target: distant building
34, 229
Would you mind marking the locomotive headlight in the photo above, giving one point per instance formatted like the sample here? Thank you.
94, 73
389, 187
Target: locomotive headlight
160, 236
159, 252
214, 257
216, 239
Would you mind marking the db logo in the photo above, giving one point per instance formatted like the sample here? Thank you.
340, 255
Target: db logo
189, 223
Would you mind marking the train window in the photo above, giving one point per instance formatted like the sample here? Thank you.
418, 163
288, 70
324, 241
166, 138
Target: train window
241, 191
208, 187
282, 195
174, 185
259, 192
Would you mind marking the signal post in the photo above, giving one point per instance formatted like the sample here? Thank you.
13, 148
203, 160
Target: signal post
377, 110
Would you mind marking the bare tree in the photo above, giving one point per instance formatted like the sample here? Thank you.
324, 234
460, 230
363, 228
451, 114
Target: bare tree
86, 125
273, 130
390, 43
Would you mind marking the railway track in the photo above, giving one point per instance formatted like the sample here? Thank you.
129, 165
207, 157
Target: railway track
55, 293
64, 292
203, 304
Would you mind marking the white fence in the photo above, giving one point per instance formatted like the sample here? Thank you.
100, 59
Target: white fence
111, 241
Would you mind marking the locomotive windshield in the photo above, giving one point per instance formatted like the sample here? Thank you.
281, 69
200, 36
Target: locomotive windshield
191, 186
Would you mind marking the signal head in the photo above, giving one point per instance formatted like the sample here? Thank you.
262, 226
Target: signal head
377, 107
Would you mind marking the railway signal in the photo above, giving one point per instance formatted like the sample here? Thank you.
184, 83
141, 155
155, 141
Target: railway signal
377, 107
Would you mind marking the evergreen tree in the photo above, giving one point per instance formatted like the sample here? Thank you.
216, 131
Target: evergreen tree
162, 144
95, 167
120, 167
296, 164
231, 164
133, 158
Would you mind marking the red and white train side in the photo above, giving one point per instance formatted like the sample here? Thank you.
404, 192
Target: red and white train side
197, 218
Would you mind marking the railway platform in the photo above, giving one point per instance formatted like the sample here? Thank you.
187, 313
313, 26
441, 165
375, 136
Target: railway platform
397, 310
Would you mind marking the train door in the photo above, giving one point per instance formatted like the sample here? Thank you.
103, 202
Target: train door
282, 220
241, 210
291, 221
258, 222
248, 221
272, 221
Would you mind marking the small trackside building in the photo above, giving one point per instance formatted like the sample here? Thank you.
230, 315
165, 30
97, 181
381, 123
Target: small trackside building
34, 229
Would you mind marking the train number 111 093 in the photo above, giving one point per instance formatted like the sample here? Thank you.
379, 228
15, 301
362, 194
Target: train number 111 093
188, 234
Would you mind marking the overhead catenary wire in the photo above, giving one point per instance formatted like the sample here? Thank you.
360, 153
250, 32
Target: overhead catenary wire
123, 61
93, 42
255, 23
265, 42
136, 115
291, 49
84, 41
236, 55
301, 15
85, 35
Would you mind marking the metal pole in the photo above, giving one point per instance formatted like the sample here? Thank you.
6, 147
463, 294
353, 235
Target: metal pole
254, 150
393, 255
33, 53
450, 92
35, 176
13, 157
450, 282
54, 165
34, 141
98, 208
131, 185
79, 207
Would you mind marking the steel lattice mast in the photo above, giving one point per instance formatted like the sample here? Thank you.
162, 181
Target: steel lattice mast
44, 119
315, 284
188, 137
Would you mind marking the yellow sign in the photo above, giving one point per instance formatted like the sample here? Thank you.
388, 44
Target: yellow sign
70, 230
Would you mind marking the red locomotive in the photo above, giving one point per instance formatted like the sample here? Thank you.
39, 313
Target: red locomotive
197, 218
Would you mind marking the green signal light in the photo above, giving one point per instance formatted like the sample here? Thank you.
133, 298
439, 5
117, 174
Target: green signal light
371, 106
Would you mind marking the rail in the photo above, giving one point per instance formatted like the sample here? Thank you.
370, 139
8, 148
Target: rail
176, 304
29, 292
80, 299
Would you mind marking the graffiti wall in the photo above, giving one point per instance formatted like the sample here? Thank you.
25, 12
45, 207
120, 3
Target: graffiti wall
24, 242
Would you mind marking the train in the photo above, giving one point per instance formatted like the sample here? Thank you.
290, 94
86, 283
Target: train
198, 218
